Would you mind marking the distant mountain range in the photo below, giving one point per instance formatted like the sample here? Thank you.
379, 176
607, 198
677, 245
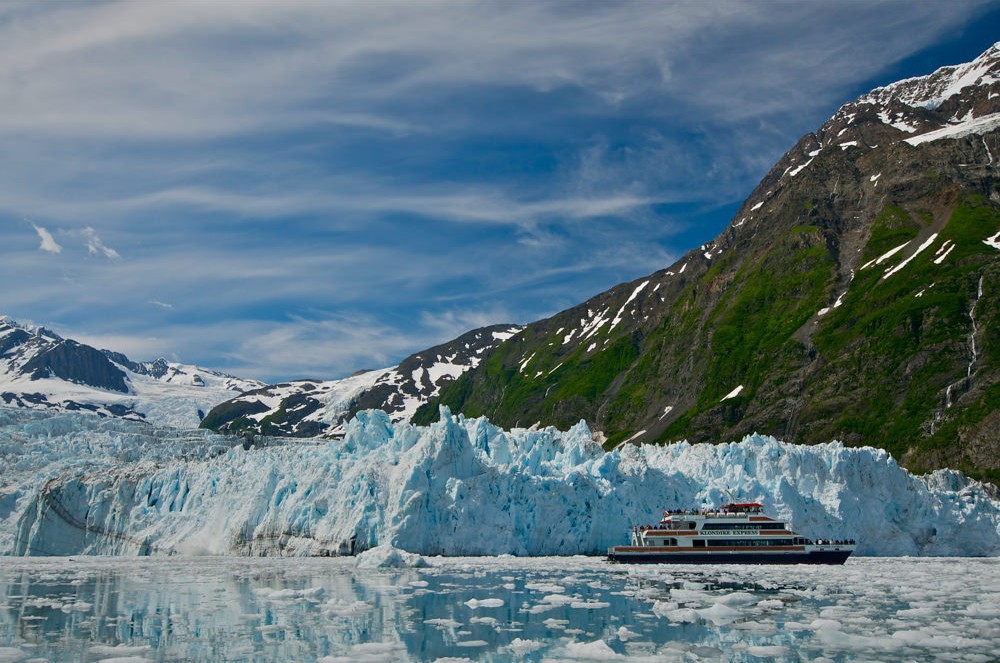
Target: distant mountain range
305, 408
41, 370
854, 296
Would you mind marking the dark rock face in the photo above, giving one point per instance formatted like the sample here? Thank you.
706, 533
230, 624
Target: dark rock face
73, 362
854, 296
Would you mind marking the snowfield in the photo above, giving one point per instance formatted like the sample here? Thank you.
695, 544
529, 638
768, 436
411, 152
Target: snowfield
77, 484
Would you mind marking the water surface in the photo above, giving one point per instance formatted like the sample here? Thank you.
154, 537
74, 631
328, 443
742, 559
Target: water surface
495, 609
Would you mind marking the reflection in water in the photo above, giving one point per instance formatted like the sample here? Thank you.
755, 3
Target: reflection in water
224, 609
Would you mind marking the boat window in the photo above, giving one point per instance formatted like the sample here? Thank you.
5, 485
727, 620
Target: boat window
699, 543
690, 525
671, 542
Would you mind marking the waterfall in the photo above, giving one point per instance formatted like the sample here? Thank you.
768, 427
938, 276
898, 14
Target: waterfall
972, 347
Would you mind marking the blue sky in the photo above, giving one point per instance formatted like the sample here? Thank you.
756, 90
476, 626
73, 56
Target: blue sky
302, 189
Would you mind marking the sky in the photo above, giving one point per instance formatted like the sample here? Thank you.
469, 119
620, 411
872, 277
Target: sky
292, 189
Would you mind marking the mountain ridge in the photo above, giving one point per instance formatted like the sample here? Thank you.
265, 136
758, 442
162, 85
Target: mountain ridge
40, 369
805, 292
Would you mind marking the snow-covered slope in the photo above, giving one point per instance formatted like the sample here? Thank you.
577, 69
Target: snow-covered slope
305, 408
41, 370
71, 484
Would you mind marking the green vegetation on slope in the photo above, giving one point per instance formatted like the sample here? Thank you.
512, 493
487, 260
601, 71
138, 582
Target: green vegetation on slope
903, 338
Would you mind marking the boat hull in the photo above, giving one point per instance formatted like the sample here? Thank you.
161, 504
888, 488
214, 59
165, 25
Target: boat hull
729, 557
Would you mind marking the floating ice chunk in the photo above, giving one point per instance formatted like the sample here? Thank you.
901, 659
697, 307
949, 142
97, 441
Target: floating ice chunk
472, 643
311, 594
737, 598
556, 624
592, 651
771, 604
370, 652
520, 647
386, 556
624, 634
663, 608
766, 651
589, 605
544, 587
484, 603
119, 651
442, 622
683, 615
719, 614
488, 621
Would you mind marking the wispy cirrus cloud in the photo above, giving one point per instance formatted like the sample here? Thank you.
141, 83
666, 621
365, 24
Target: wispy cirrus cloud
352, 181
95, 246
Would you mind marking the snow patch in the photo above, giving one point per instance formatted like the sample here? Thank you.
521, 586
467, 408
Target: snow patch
943, 252
792, 172
993, 241
733, 394
930, 240
979, 125
635, 293
885, 256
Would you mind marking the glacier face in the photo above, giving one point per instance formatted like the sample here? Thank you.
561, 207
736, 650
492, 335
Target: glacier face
73, 484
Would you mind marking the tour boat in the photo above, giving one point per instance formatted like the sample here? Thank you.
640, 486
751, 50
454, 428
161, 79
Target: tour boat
732, 534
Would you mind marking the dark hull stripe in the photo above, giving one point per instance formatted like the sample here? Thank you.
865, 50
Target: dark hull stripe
813, 557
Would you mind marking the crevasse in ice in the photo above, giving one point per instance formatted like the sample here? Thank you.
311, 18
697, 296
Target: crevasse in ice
75, 484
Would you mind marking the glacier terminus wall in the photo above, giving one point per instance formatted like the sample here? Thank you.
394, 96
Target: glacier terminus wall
78, 484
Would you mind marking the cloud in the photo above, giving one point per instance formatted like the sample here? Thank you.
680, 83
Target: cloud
318, 187
95, 246
48, 244
124, 69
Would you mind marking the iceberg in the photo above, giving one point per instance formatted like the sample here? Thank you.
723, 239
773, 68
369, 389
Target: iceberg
73, 484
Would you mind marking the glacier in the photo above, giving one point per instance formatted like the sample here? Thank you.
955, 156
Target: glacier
77, 484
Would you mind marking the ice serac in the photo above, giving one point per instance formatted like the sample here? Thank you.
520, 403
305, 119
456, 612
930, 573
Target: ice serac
71, 484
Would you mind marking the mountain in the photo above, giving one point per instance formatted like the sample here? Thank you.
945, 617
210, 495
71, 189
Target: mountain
854, 296
307, 408
41, 370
